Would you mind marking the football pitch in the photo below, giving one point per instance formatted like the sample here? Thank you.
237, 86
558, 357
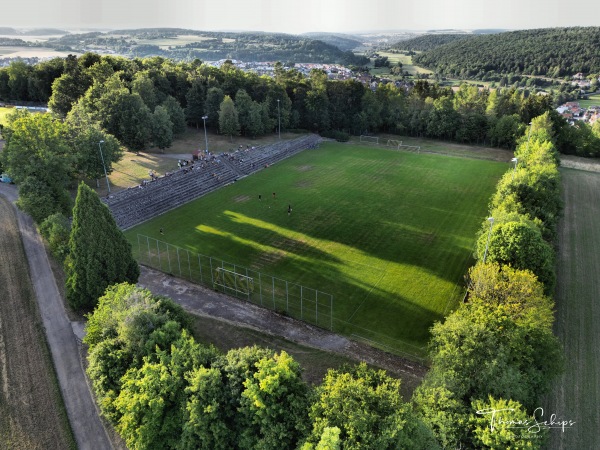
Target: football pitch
389, 234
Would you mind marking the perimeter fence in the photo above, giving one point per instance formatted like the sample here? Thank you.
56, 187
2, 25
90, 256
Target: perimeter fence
292, 299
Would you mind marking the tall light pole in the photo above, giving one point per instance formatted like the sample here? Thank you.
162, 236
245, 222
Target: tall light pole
205, 136
529, 135
104, 165
515, 160
491, 220
279, 119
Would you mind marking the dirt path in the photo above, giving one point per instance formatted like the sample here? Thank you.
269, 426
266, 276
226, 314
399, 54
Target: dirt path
81, 409
576, 395
204, 302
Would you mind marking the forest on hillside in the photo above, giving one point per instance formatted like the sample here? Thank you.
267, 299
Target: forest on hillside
550, 52
429, 41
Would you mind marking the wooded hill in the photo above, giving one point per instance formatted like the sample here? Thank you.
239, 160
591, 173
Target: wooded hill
429, 41
210, 46
552, 52
344, 42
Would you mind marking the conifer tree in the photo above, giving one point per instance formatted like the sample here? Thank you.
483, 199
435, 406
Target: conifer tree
99, 253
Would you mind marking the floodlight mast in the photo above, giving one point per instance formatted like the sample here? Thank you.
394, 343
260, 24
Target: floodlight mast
487, 245
104, 165
515, 160
279, 119
205, 135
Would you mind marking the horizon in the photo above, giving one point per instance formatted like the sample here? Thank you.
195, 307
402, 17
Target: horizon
287, 16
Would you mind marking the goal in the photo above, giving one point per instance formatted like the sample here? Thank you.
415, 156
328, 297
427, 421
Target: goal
410, 148
369, 139
394, 143
228, 280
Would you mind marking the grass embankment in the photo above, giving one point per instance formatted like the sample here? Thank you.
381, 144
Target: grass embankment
389, 234
32, 413
315, 363
134, 168
576, 395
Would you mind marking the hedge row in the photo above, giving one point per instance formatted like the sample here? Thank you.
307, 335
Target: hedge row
497, 351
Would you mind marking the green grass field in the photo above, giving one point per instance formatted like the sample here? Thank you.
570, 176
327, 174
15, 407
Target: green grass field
576, 394
389, 234
593, 100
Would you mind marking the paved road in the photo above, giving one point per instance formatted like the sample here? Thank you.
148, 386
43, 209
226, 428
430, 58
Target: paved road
81, 409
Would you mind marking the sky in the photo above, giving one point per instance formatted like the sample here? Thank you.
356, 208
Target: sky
298, 16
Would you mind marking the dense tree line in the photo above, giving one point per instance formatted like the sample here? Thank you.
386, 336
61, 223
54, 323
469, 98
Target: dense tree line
120, 96
497, 352
163, 390
429, 41
551, 52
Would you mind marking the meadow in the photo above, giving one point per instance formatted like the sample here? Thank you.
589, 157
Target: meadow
576, 394
592, 100
389, 234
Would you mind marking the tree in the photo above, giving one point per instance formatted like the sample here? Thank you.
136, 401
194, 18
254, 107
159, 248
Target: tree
143, 85
519, 290
176, 115
66, 90
367, 407
41, 200
520, 245
99, 254
127, 326
162, 128
195, 97
152, 400
87, 140
56, 229
228, 118
38, 158
501, 424
274, 403
206, 425
214, 99
243, 105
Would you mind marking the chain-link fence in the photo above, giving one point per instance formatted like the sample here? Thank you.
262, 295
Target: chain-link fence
294, 300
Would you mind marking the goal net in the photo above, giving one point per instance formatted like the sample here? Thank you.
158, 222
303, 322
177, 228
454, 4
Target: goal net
233, 281
394, 143
410, 148
369, 139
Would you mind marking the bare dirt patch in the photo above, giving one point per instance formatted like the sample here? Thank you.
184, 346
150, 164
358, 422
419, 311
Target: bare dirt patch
32, 416
304, 184
241, 198
304, 168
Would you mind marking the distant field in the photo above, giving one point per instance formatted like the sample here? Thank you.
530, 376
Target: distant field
390, 234
593, 100
30, 52
406, 63
576, 395
179, 40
